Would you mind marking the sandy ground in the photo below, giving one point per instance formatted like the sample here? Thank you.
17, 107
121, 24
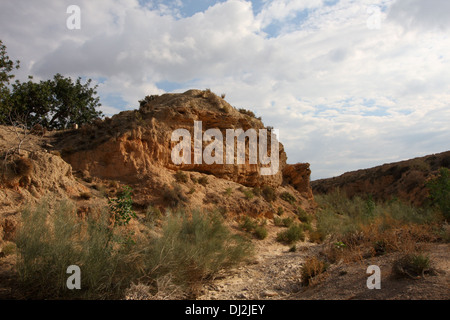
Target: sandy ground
276, 275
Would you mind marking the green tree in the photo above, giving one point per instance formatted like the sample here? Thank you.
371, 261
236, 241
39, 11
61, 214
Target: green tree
6, 66
30, 100
55, 104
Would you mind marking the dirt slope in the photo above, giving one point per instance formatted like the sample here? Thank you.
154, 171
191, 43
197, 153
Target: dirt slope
404, 180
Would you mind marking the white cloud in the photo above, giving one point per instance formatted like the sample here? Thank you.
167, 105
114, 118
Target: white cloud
419, 14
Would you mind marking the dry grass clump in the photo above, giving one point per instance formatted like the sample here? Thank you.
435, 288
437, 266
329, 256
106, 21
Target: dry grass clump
412, 265
313, 270
203, 181
172, 264
286, 196
173, 196
293, 234
258, 229
268, 193
181, 177
357, 228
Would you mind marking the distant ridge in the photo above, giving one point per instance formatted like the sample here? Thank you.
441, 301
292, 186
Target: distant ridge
404, 180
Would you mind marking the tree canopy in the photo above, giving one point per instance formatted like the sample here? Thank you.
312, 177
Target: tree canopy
55, 104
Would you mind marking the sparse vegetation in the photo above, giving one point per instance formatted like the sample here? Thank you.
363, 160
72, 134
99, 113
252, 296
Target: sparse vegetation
283, 222
247, 193
252, 226
193, 249
269, 193
303, 216
191, 190
121, 207
286, 196
48, 243
189, 251
376, 228
311, 270
181, 177
247, 112
257, 191
293, 234
203, 180
440, 191
280, 211
173, 196
412, 265
228, 191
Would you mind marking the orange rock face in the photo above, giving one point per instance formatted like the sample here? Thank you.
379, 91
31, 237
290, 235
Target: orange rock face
298, 175
135, 143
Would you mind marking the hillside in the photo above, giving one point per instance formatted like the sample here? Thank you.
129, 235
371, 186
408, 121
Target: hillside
90, 165
404, 180
167, 252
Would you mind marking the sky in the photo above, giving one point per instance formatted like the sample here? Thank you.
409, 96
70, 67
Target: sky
349, 84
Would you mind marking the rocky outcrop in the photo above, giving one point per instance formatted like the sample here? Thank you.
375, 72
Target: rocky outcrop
298, 175
405, 180
133, 144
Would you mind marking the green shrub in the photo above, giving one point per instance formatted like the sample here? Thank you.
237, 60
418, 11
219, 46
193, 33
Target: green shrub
252, 226
269, 193
152, 214
247, 112
191, 190
260, 232
121, 207
181, 177
193, 249
257, 191
293, 234
174, 196
248, 224
280, 211
189, 250
228, 191
411, 265
203, 180
440, 191
286, 196
283, 222
307, 227
8, 248
303, 216
248, 193
50, 241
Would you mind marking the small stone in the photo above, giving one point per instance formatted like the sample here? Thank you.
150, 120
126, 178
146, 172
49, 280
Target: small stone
270, 293
242, 296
